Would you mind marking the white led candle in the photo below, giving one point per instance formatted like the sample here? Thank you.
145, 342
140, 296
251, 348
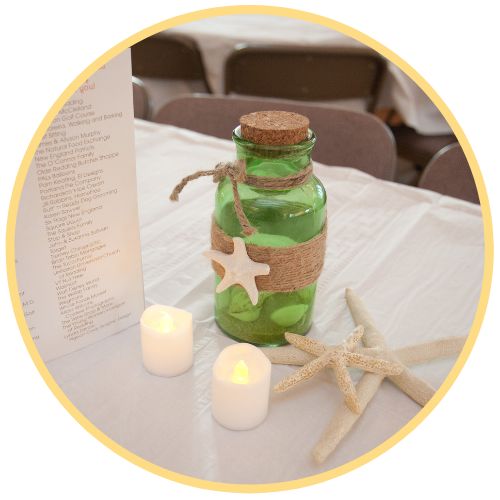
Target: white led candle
166, 340
241, 379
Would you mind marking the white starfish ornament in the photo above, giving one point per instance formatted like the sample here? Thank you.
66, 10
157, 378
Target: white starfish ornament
239, 269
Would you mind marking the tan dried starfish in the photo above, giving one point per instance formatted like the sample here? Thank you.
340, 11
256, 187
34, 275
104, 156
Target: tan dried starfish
337, 358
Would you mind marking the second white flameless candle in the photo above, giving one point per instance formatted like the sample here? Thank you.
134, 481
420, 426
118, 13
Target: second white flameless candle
166, 340
241, 380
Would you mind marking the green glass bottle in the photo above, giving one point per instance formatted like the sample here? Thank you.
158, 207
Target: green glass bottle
282, 218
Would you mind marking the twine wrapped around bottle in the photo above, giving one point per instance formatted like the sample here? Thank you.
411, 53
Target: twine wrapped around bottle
293, 267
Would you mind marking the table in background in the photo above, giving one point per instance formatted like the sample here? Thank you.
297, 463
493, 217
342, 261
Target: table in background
414, 256
217, 37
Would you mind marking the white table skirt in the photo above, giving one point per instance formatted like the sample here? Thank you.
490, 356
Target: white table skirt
414, 256
217, 37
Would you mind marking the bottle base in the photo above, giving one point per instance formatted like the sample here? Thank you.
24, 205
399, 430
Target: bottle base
274, 342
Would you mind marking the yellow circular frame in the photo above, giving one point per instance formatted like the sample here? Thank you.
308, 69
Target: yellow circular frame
14, 205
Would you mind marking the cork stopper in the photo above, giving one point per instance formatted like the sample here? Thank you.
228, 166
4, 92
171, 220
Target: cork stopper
274, 127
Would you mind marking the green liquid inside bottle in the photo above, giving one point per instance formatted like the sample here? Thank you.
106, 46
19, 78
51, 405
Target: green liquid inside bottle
282, 218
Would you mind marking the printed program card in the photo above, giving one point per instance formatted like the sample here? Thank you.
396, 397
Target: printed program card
78, 255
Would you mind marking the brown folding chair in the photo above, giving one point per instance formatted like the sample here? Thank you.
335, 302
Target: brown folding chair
168, 56
449, 173
141, 99
345, 138
417, 148
305, 73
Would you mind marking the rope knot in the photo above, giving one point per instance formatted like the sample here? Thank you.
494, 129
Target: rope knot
235, 170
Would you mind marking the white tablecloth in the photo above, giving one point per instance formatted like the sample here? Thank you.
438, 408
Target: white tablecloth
218, 36
414, 256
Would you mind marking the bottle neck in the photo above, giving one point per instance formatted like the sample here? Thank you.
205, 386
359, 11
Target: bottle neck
274, 161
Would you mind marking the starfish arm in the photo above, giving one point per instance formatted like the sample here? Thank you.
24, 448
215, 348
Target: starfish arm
373, 365
343, 420
291, 355
345, 384
369, 351
372, 337
225, 283
306, 372
239, 247
306, 344
220, 257
251, 289
354, 337
261, 269
287, 355
414, 387
428, 351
